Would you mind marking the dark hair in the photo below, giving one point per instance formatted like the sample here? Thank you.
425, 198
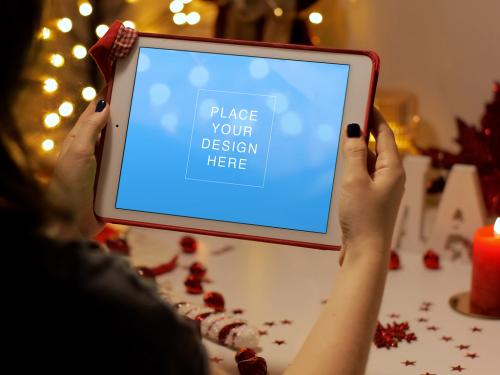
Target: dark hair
22, 200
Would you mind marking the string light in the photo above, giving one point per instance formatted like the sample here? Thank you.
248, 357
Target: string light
85, 9
66, 109
101, 30
180, 18
65, 24
193, 18
57, 60
88, 93
176, 6
48, 145
186, 1
278, 12
79, 51
45, 33
316, 18
51, 120
129, 24
50, 85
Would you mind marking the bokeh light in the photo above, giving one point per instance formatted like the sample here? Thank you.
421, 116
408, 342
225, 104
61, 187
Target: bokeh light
193, 18
176, 6
101, 30
50, 85
51, 120
316, 18
66, 109
159, 93
85, 9
56, 60
180, 18
278, 12
47, 145
45, 33
65, 24
129, 24
79, 51
88, 93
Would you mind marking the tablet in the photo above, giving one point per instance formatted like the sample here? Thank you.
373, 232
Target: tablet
234, 139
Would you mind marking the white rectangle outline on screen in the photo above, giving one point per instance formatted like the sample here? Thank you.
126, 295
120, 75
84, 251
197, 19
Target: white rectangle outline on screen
192, 132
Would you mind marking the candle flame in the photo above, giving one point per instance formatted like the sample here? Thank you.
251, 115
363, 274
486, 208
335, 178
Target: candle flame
496, 227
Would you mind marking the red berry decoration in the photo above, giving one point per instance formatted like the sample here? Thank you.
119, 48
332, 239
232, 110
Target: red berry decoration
431, 260
394, 263
243, 354
145, 272
193, 285
214, 300
197, 269
118, 245
253, 366
188, 244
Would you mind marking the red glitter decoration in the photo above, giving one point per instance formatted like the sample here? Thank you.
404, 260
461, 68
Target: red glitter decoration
238, 311
253, 366
214, 300
279, 342
422, 320
197, 269
394, 263
476, 329
463, 347
286, 321
432, 328
472, 355
193, 285
226, 330
446, 338
188, 244
409, 363
243, 354
165, 267
457, 368
269, 324
390, 335
431, 260
394, 316
145, 272
118, 245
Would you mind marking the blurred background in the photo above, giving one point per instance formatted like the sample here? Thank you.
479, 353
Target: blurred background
440, 59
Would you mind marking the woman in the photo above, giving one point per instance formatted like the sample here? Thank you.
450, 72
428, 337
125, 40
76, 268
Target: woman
80, 311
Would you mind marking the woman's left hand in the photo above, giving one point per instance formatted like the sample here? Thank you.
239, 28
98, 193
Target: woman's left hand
72, 186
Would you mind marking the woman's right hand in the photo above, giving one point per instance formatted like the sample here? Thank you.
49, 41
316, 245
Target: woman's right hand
371, 191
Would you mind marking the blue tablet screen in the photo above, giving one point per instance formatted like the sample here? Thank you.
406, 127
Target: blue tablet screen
233, 138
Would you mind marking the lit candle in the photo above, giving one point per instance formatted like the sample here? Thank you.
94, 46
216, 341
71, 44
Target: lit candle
485, 288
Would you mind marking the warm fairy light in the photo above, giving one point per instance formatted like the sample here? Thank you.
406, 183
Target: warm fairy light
415, 118
129, 24
79, 51
315, 17
180, 18
89, 93
66, 109
45, 33
193, 18
176, 6
50, 85
101, 30
48, 145
186, 1
496, 227
51, 120
57, 60
85, 9
278, 12
65, 24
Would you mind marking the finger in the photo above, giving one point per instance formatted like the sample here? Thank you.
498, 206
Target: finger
371, 162
90, 125
386, 147
355, 153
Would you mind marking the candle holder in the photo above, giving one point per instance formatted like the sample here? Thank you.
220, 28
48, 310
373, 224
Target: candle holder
460, 302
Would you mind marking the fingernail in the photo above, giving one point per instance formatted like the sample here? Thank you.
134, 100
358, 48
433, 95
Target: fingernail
101, 104
353, 131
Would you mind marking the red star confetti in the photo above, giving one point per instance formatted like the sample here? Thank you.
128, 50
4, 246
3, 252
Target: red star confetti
238, 311
410, 337
262, 333
424, 308
394, 262
422, 320
286, 321
269, 324
431, 260
446, 338
279, 342
427, 373
463, 347
409, 363
457, 368
476, 329
427, 303
323, 301
472, 355
222, 250
390, 335
394, 316
216, 359
432, 328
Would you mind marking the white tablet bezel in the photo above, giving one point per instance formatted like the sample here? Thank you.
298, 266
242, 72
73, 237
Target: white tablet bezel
357, 103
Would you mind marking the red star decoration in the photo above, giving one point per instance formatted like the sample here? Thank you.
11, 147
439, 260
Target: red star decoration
424, 308
286, 321
446, 338
472, 355
427, 304
463, 347
422, 320
427, 373
216, 359
409, 363
457, 368
238, 311
323, 301
394, 316
262, 333
269, 324
476, 329
279, 342
432, 328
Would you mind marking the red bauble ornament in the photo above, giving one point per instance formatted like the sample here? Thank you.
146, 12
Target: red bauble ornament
214, 300
253, 366
197, 269
118, 245
188, 244
193, 285
394, 263
145, 272
243, 354
431, 260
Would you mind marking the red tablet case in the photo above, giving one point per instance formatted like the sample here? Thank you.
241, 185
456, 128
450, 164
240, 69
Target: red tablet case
373, 85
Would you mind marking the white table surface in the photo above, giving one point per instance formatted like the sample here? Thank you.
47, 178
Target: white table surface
274, 283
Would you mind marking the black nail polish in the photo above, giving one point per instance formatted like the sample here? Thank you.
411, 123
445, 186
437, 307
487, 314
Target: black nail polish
101, 104
353, 131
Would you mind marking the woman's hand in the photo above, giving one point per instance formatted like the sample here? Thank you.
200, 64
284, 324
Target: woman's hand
72, 186
372, 187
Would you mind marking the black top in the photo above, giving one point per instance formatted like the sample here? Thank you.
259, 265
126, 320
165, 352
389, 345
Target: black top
82, 311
